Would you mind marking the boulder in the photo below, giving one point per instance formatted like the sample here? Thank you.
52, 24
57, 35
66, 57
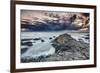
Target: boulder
70, 49
66, 42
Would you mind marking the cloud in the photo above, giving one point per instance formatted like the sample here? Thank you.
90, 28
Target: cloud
54, 21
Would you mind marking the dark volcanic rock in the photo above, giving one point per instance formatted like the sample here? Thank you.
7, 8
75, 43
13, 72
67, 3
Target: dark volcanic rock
24, 50
66, 42
27, 43
67, 48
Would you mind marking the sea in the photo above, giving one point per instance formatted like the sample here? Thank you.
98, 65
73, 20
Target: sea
35, 44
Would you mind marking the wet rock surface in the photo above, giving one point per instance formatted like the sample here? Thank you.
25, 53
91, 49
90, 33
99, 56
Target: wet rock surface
67, 48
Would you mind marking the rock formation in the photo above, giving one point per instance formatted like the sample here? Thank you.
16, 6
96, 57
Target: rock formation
67, 48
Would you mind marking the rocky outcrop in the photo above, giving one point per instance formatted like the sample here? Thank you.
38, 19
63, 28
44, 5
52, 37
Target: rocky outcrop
67, 48
66, 42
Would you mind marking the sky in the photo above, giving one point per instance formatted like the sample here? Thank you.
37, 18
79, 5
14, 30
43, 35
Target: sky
53, 20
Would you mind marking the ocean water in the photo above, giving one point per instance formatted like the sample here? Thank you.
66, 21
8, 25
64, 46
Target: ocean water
40, 42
